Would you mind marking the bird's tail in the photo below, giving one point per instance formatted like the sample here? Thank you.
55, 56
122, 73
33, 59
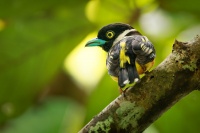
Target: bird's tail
133, 74
127, 75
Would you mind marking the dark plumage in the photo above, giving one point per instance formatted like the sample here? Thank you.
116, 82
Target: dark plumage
129, 52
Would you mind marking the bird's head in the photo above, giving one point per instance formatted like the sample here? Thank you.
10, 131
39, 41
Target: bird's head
110, 35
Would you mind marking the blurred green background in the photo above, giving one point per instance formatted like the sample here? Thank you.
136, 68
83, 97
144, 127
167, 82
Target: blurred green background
51, 83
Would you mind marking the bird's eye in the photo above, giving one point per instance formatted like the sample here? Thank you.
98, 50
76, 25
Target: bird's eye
110, 34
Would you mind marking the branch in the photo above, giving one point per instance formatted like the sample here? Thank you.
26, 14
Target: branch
160, 89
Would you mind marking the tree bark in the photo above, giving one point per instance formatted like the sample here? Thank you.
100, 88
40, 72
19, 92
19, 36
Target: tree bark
160, 89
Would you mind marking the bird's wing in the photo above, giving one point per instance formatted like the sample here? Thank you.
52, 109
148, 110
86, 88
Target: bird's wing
112, 62
143, 49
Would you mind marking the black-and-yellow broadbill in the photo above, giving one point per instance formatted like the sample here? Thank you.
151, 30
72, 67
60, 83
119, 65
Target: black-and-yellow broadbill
129, 53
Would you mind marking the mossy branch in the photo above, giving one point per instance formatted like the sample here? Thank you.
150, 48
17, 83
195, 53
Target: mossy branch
160, 89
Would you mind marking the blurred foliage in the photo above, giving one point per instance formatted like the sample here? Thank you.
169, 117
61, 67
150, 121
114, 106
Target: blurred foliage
34, 43
49, 117
37, 94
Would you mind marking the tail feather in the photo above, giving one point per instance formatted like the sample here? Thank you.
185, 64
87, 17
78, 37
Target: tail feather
123, 77
127, 75
132, 74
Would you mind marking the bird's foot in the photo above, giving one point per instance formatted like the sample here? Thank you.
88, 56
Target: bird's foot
122, 92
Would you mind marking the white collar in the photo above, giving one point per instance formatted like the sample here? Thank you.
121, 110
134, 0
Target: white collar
122, 35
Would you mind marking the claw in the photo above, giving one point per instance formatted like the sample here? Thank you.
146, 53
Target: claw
122, 92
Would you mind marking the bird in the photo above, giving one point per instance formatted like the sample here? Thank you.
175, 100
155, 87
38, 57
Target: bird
129, 53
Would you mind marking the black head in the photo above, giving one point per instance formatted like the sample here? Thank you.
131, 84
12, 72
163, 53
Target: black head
108, 34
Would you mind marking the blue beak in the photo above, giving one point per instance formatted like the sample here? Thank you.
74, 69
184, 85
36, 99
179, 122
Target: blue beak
95, 42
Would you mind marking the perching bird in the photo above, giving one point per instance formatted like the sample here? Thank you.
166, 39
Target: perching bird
129, 53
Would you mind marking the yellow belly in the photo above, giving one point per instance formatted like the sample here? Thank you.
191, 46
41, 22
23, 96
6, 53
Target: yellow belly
143, 68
